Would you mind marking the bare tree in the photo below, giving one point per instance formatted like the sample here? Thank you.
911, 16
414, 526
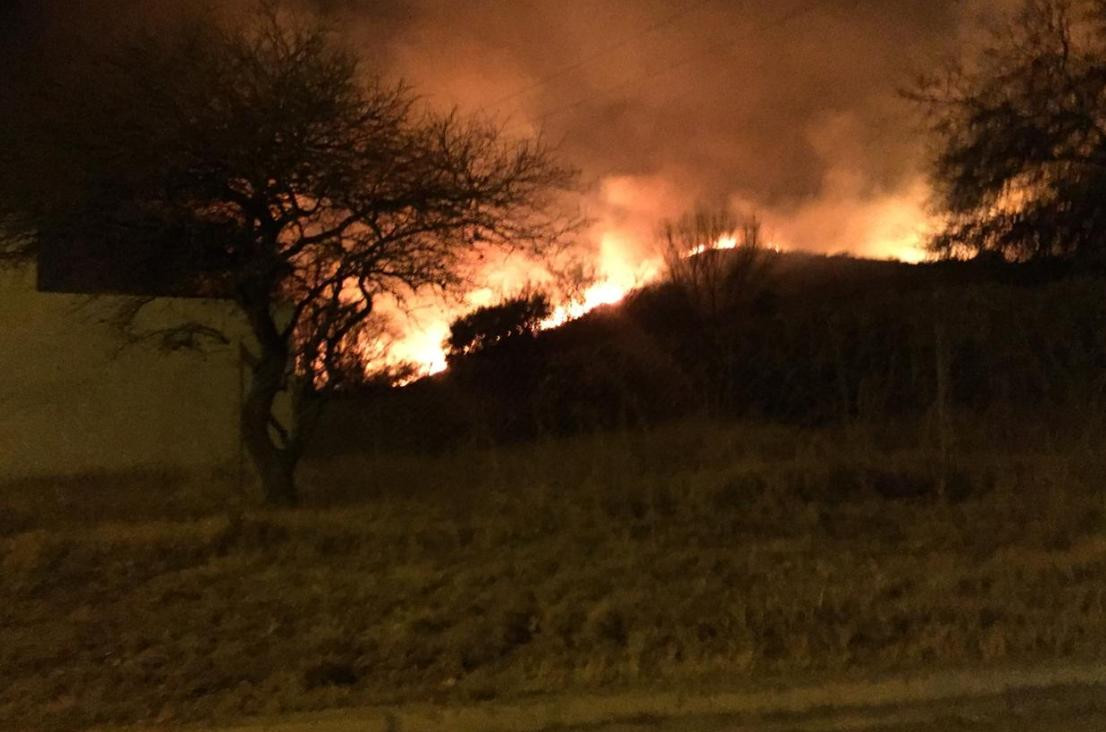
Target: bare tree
261, 163
716, 262
715, 258
1019, 130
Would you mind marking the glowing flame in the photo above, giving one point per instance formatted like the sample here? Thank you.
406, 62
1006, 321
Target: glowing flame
900, 232
724, 242
599, 294
423, 346
425, 332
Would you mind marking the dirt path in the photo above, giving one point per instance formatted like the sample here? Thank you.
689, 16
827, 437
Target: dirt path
1039, 700
1061, 709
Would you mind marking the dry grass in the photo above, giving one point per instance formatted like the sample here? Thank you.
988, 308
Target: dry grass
625, 559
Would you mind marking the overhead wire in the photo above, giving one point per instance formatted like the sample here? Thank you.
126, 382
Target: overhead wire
799, 10
651, 28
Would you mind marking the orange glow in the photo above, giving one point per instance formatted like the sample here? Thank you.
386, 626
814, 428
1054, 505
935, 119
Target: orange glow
724, 242
890, 225
599, 294
618, 274
422, 346
623, 259
425, 330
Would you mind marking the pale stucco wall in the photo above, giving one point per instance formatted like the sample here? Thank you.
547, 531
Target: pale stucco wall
70, 404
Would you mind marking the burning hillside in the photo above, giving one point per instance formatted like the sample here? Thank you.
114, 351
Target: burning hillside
626, 257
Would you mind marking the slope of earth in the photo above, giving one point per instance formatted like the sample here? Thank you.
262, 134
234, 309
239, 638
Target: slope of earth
794, 338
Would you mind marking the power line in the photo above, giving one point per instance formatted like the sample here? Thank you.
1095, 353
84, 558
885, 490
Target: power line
668, 20
796, 12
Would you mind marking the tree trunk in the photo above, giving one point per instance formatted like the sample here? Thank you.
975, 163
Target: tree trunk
274, 448
278, 478
275, 463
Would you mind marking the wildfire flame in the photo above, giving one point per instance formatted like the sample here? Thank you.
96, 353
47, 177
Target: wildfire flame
599, 294
423, 338
724, 242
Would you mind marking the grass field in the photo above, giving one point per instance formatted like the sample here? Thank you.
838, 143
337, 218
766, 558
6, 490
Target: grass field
666, 558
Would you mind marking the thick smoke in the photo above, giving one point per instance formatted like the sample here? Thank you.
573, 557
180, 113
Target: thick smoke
788, 109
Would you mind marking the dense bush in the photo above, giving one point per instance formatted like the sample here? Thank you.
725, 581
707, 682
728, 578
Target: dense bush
494, 325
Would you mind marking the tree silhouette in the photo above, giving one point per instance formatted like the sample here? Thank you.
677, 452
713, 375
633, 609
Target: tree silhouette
494, 324
715, 262
715, 259
1019, 160
260, 163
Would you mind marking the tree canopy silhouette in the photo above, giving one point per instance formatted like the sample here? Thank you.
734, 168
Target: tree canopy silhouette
260, 162
1019, 161
493, 324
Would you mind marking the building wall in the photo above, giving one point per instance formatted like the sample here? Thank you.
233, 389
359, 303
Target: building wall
72, 401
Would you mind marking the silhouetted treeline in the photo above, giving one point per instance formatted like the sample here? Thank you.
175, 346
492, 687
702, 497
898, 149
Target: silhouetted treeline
825, 339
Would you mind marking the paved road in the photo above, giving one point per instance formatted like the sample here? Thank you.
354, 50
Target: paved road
1035, 700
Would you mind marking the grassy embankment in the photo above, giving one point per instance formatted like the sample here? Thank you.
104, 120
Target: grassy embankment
697, 551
